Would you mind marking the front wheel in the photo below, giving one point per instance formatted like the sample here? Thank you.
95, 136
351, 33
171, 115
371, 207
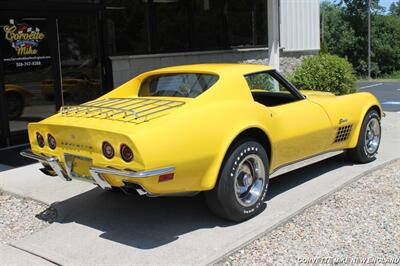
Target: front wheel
368, 140
242, 183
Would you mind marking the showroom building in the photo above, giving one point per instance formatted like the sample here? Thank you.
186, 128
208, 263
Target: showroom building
62, 52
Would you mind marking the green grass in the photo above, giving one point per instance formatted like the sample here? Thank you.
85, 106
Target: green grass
395, 76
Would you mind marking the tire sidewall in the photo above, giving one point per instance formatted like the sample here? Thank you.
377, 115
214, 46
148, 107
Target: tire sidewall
361, 147
227, 182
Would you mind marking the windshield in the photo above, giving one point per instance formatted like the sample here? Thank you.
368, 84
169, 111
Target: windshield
177, 85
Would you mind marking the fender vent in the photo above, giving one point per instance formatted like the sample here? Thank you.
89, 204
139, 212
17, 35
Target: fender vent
343, 133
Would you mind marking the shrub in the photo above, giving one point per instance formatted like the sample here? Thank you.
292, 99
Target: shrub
325, 73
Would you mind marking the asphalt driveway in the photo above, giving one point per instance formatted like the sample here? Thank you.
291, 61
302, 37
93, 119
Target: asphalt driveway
388, 93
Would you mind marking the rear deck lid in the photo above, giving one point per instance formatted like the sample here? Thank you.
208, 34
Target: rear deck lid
133, 110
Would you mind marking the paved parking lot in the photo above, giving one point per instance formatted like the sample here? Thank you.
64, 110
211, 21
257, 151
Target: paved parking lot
388, 93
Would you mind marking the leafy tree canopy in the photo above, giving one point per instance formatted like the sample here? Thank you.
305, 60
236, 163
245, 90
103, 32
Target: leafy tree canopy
345, 33
394, 8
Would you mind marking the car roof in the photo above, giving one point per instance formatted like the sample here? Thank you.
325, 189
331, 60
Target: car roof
217, 68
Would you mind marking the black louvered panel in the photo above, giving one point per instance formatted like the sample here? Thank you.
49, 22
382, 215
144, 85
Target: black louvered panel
343, 133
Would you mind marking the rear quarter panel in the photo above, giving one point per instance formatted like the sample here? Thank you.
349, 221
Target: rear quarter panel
196, 141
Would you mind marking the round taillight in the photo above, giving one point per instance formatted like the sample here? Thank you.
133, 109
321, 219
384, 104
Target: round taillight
108, 150
40, 139
52, 141
126, 153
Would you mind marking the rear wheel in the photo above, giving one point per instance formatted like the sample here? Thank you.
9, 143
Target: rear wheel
368, 140
242, 184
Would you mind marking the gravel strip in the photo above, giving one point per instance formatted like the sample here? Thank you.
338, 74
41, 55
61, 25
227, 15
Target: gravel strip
21, 217
359, 224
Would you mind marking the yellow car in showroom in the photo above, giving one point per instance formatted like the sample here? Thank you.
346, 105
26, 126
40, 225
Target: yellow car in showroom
221, 129
76, 86
17, 97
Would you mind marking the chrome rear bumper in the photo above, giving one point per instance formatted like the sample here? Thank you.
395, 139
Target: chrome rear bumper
53, 162
95, 172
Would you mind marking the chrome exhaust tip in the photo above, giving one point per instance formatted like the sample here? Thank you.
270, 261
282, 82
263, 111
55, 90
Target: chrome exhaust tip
141, 191
129, 186
48, 171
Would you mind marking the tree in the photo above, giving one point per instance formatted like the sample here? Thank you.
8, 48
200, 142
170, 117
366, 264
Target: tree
394, 8
346, 32
338, 35
386, 44
355, 13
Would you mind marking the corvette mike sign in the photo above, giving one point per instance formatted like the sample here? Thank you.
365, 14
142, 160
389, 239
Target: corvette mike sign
27, 45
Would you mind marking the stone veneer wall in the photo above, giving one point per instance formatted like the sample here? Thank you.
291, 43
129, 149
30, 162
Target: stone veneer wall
127, 67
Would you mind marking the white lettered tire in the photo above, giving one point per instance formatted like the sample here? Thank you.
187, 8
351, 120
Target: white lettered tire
368, 139
242, 184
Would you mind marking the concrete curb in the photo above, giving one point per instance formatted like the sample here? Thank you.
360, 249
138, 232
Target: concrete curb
36, 255
315, 202
22, 196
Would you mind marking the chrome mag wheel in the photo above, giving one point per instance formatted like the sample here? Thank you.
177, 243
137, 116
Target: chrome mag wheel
372, 136
249, 180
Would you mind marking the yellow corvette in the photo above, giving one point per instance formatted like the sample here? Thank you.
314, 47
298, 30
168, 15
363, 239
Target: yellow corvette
221, 129
17, 98
76, 86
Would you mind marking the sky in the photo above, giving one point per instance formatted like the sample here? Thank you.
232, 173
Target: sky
384, 3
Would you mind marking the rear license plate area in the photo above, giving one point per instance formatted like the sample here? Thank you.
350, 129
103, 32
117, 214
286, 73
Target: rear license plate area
78, 166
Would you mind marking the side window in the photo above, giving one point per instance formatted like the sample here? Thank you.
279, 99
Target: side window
269, 89
264, 82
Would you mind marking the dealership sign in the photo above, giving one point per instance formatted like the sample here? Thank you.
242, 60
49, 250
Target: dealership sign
23, 38
26, 42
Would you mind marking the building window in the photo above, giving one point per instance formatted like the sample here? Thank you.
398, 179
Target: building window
247, 22
160, 26
127, 26
209, 25
171, 26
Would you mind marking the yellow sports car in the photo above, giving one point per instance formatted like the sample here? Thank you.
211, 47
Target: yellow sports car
17, 97
76, 86
221, 129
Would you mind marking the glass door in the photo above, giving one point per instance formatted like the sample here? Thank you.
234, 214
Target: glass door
27, 64
80, 59
47, 61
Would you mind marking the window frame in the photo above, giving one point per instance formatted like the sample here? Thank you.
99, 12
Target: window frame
281, 80
178, 73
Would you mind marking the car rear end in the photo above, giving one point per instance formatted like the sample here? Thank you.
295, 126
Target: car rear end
95, 142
